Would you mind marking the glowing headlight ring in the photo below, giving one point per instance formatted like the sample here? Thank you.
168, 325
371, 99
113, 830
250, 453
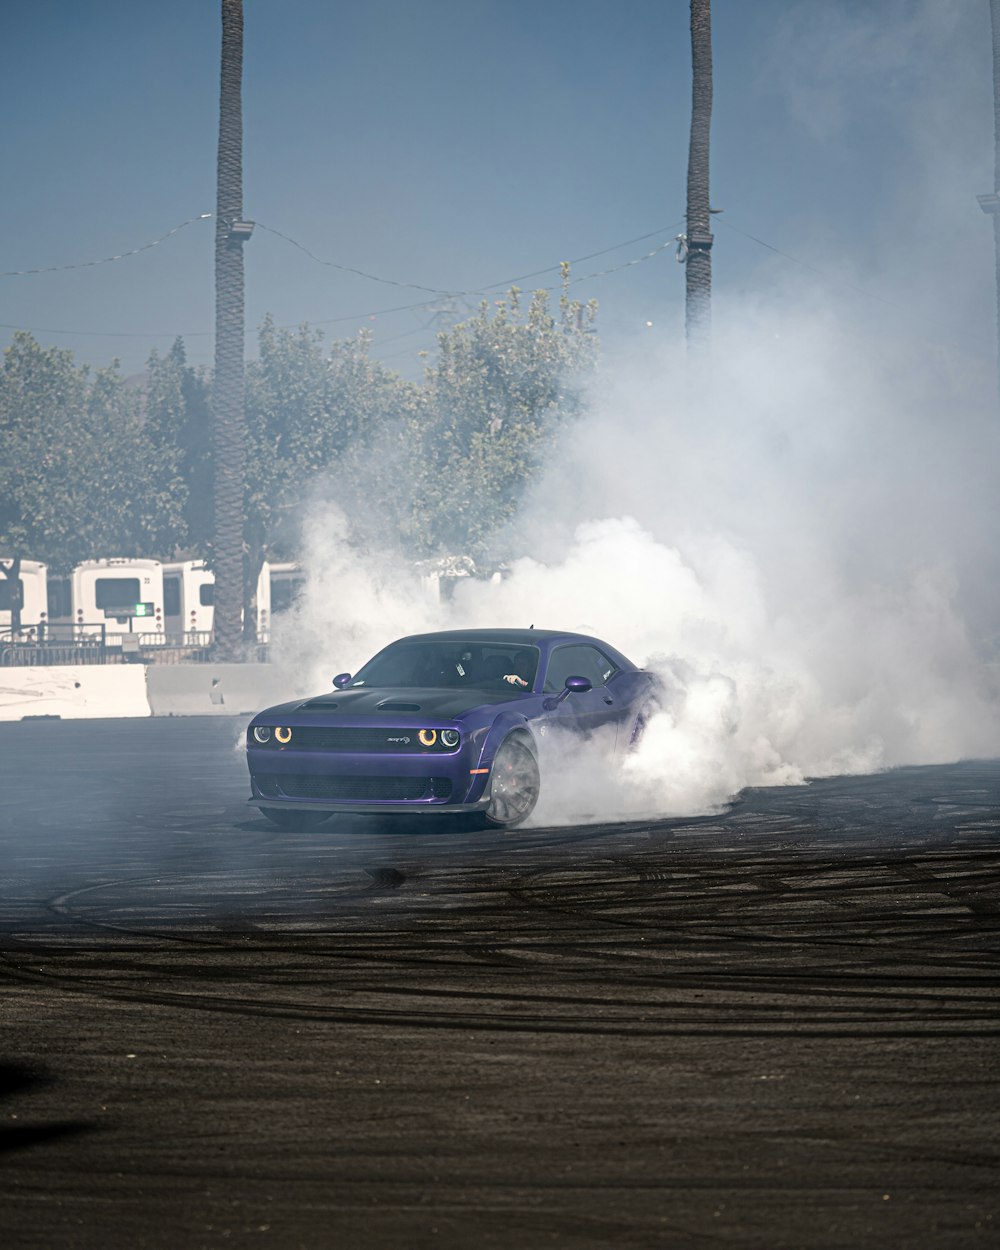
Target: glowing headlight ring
283, 735
427, 737
261, 734
450, 737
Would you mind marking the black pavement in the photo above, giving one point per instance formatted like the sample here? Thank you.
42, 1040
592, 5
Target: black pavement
775, 1027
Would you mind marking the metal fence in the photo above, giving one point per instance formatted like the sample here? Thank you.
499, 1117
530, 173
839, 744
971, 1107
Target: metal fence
83, 643
15, 654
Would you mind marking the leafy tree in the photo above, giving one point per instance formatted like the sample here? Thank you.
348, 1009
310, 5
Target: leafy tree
78, 474
135, 493
309, 414
90, 467
178, 423
501, 387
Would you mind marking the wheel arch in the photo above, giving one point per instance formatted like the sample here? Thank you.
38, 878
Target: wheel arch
505, 726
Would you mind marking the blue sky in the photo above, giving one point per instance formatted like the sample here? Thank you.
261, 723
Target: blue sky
458, 143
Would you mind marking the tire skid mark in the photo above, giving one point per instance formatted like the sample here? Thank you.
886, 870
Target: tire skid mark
740, 925
490, 1022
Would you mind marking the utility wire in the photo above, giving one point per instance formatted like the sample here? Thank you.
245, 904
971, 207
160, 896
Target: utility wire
88, 264
378, 312
851, 286
812, 268
111, 334
439, 293
482, 290
580, 259
332, 264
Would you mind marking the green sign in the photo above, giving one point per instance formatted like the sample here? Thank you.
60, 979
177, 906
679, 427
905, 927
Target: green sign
131, 609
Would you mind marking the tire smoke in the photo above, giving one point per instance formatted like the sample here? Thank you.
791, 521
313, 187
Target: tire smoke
798, 555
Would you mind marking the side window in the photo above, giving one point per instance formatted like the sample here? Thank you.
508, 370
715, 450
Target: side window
577, 661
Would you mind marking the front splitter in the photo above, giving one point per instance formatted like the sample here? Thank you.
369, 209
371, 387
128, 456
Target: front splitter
377, 809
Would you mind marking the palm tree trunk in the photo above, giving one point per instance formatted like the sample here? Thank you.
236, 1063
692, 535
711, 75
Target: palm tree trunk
995, 20
699, 236
227, 395
12, 572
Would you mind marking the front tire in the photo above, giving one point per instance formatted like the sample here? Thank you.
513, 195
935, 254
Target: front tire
296, 821
514, 784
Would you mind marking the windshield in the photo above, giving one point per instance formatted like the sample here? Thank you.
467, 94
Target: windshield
453, 664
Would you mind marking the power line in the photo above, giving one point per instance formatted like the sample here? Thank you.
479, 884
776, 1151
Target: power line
89, 264
378, 312
835, 280
361, 273
812, 268
111, 334
602, 273
439, 292
580, 259
480, 290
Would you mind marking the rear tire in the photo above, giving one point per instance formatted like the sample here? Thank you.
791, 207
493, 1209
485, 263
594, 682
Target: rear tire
639, 727
514, 784
297, 821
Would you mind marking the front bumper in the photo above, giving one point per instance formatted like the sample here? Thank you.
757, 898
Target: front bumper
306, 780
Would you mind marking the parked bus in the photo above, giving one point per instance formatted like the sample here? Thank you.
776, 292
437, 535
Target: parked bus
189, 599
169, 603
125, 595
34, 596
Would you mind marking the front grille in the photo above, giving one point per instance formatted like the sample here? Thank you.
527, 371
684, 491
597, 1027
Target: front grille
349, 789
364, 741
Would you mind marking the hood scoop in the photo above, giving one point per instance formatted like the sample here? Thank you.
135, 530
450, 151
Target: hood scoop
394, 705
323, 704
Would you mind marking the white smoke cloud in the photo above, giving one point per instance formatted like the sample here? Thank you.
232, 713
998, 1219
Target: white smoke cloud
804, 553
793, 563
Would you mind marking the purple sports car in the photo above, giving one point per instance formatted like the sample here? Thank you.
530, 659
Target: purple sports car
444, 722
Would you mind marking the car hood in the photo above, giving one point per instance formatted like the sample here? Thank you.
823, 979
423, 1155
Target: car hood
392, 703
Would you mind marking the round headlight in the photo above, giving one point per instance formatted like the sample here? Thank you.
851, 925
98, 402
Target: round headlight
427, 737
261, 733
283, 735
450, 737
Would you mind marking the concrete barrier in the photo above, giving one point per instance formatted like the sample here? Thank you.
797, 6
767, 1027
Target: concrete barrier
215, 689
120, 690
72, 693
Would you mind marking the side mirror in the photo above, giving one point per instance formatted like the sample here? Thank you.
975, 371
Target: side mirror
341, 680
574, 685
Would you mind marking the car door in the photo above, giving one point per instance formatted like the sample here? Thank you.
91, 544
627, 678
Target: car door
585, 711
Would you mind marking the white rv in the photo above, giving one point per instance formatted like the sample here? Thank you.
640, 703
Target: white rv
125, 595
189, 598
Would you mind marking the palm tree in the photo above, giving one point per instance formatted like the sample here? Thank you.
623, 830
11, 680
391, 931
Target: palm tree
991, 204
699, 235
229, 418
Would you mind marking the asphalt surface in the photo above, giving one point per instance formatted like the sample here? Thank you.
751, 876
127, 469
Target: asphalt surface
776, 1027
